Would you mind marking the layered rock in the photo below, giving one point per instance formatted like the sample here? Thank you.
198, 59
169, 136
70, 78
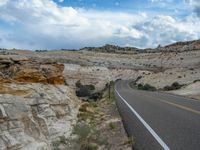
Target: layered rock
19, 69
36, 108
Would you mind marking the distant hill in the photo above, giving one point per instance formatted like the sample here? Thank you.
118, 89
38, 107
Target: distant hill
111, 49
176, 47
184, 46
108, 48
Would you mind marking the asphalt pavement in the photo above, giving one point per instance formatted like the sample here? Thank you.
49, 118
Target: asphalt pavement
159, 120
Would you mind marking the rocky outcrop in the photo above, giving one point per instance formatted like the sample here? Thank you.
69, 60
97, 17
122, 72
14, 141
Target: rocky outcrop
184, 46
36, 118
36, 108
21, 69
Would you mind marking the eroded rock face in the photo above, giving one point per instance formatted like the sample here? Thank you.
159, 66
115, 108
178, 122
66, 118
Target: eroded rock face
36, 118
36, 108
21, 69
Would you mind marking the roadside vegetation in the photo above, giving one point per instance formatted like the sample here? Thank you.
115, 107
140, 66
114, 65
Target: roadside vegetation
99, 124
145, 87
174, 86
133, 83
198, 80
88, 91
148, 87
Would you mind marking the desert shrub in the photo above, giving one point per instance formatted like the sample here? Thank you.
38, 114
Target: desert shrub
96, 96
140, 86
90, 87
146, 87
89, 146
83, 91
83, 108
78, 84
82, 130
62, 139
138, 78
198, 80
112, 125
134, 82
57, 143
174, 86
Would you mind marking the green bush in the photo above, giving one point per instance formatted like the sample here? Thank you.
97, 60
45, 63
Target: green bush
82, 130
90, 87
62, 139
198, 80
96, 96
78, 84
133, 83
174, 86
112, 125
89, 146
146, 87
83, 91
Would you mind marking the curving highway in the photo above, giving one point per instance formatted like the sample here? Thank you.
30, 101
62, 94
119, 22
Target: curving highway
159, 120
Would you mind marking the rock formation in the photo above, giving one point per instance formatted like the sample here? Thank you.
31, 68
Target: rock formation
36, 108
19, 69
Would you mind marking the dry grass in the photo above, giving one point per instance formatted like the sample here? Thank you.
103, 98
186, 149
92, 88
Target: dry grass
100, 126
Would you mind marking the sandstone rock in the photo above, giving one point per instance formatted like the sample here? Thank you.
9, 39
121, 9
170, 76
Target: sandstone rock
28, 71
30, 75
34, 120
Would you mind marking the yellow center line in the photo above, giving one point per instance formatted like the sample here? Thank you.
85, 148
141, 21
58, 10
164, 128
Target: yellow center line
182, 107
175, 104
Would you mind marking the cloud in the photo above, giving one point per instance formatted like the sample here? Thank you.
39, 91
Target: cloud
42, 24
196, 6
3, 2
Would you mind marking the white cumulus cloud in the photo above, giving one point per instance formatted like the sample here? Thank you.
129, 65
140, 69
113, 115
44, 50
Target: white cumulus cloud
42, 24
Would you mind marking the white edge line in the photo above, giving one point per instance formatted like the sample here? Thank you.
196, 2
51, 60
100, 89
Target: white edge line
153, 133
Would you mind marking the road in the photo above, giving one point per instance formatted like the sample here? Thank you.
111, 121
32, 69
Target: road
159, 120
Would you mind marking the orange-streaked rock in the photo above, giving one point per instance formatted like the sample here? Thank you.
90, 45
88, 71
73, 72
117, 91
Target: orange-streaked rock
29, 71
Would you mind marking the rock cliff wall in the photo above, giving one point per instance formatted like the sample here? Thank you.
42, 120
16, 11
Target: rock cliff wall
36, 108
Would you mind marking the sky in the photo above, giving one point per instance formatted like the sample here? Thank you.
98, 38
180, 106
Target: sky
74, 24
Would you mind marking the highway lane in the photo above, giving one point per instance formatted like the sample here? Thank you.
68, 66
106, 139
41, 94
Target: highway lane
159, 120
